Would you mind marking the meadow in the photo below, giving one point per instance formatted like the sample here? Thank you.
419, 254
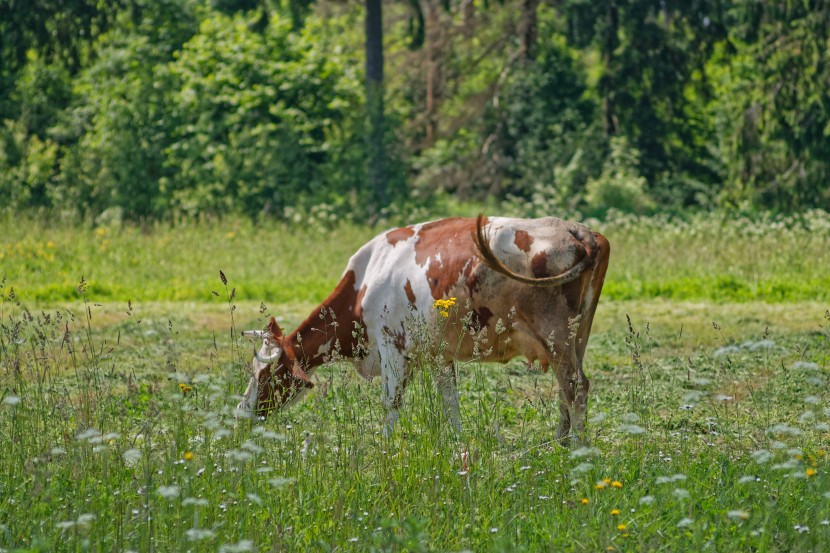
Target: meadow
121, 364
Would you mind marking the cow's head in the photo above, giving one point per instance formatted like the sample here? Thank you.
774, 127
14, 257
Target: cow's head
277, 377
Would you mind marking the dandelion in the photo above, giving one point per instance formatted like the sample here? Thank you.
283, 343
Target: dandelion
615, 512
621, 527
810, 472
585, 501
188, 456
185, 389
600, 485
616, 484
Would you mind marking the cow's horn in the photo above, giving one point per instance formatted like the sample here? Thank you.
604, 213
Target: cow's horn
267, 360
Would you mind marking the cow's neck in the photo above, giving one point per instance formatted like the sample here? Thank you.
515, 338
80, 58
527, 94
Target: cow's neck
329, 329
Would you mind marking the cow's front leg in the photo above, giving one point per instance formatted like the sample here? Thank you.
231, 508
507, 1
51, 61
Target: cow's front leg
446, 382
394, 381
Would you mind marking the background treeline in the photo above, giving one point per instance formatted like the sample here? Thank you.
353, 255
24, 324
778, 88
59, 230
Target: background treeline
164, 108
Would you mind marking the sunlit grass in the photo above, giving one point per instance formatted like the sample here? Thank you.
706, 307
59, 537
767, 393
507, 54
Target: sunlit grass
707, 257
709, 419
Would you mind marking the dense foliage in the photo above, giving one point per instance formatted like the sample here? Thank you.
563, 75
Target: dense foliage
158, 108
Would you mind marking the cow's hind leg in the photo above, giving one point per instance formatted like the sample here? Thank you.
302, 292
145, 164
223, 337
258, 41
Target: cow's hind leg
573, 398
566, 400
446, 382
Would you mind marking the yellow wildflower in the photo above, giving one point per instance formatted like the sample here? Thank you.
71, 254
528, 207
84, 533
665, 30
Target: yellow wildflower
188, 455
185, 388
616, 484
606, 480
599, 485
810, 472
444, 304
615, 512
585, 501
620, 527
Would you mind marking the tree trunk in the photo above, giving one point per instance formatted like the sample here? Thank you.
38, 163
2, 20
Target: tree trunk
609, 44
528, 30
376, 170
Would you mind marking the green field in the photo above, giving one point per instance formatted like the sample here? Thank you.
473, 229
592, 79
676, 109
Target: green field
709, 405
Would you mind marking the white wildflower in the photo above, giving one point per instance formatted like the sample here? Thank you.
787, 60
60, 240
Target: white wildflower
280, 482
11, 400
131, 457
684, 522
198, 534
680, 493
632, 429
761, 456
168, 492
243, 546
584, 452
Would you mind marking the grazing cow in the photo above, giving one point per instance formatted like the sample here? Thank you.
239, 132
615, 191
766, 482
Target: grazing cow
534, 281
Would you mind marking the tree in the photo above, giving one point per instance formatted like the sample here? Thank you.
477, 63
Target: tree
376, 158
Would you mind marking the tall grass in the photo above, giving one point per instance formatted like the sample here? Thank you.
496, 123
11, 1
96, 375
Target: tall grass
118, 434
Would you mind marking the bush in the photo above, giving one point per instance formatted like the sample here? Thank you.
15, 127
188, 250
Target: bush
620, 185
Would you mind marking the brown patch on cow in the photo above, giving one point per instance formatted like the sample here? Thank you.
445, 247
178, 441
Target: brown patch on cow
410, 295
399, 234
539, 265
333, 320
481, 317
398, 339
357, 310
450, 250
523, 240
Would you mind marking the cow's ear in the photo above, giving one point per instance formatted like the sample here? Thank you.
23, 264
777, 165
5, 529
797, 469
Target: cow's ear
274, 328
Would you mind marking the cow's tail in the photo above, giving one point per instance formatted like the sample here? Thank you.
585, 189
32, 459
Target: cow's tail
585, 236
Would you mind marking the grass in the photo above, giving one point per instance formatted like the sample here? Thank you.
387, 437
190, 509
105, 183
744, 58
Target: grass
710, 419
712, 258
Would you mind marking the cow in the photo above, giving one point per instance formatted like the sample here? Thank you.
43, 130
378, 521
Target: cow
521, 287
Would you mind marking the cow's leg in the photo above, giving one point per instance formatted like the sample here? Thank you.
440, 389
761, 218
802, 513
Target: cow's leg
446, 382
580, 408
394, 380
566, 400
573, 396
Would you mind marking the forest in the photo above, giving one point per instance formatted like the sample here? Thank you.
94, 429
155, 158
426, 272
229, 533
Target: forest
140, 110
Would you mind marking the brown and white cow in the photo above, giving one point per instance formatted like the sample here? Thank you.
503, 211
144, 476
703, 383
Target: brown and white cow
534, 281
